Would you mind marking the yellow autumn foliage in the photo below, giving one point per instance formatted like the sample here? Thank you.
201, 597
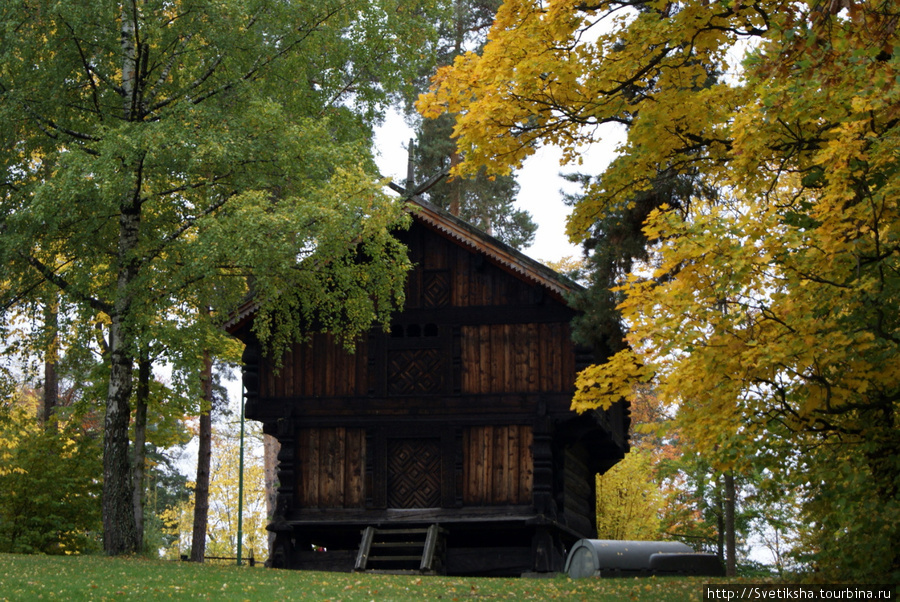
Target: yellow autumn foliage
769, 313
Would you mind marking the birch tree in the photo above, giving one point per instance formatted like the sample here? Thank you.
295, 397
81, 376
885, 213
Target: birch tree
157, 154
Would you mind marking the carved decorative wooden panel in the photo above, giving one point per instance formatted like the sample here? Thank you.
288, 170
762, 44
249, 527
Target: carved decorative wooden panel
436, 288
414, 473
415, 371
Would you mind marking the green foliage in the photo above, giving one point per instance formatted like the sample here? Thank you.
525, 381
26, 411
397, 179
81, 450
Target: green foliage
159, 157
49, 490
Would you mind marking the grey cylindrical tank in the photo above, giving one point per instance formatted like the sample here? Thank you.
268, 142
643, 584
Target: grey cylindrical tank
591, 557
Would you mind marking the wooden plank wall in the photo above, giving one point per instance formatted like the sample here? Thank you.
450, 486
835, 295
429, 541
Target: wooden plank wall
331, 464
474, 282
320, 367
579, 501
521, 358
497, 465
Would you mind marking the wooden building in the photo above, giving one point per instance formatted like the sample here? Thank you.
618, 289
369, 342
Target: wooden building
446, 444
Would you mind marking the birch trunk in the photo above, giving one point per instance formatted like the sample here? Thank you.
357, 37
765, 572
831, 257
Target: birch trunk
204, 455
119, 529
140, 439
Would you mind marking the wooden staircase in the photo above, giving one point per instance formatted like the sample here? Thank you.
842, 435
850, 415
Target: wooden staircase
401, 550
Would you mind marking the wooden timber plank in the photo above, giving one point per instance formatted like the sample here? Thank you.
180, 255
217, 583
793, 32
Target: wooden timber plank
303, 372
484, 360
567, 355
339, 451
354, 475
303, 491
497, 360
469, 357
513, 463
329, 358
559, 344
315, 466
487, 461
471, 437
362, 364
499, 453
520, 342
509, 358
526, 459
533, 373
284, 385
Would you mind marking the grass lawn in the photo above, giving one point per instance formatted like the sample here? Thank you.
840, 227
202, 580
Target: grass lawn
102, 578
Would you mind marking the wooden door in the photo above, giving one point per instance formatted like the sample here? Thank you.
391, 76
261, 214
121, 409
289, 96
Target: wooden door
414, 473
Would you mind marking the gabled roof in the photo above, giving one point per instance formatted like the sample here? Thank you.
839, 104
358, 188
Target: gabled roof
508, 258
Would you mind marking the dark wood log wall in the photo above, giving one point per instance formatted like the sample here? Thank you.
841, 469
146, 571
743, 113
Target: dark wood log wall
331, 467
497, 465
579, 496
318, 368
517, 358
482, 357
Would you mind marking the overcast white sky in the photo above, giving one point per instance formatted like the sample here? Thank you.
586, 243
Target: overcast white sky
539, 184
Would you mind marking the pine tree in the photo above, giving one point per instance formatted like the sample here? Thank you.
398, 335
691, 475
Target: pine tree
486, 202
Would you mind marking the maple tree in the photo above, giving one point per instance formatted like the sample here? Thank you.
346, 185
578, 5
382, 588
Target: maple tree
767, 311
628, 502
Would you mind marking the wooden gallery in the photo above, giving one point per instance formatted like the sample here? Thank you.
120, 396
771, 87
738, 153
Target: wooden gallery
447, 444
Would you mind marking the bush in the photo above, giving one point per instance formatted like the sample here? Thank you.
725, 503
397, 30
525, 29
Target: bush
50, 482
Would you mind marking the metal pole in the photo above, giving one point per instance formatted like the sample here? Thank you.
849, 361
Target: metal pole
240, 534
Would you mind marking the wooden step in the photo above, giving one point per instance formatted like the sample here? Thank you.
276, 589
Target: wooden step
390, 549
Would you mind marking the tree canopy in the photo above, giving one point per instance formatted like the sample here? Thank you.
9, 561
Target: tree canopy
159, 157
767, 310
484, 200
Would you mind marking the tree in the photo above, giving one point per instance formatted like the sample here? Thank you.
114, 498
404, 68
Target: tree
628, 499
767, 313
484, 201
156, 154
223, 498
48, 486
481, 199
